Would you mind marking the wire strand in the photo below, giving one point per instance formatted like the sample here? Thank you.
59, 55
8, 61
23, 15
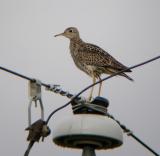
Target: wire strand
21, 75
46, 85
130, 133
142, 143
85, 89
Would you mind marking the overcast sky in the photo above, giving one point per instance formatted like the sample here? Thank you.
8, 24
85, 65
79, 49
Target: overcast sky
128, 29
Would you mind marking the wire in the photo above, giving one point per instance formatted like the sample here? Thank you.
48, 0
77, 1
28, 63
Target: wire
15, 73
132, 67
46, 85
122, 126
142, 143
22, 76
130, 133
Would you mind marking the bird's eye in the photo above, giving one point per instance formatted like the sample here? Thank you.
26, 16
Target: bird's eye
70, 30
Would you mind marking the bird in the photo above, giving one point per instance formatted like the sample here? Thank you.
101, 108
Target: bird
92, 59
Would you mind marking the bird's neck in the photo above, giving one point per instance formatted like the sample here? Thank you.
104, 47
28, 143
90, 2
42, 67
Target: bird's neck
75, 44
76, 40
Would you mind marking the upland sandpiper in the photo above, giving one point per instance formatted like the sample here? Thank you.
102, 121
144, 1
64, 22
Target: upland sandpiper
92, 59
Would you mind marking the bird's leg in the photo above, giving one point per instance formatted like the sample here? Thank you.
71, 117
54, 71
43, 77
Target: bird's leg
100, 86
94, 80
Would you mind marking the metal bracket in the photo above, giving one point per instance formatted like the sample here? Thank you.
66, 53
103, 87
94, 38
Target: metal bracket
34, 96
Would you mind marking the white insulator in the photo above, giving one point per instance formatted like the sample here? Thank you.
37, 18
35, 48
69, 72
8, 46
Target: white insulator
98, 131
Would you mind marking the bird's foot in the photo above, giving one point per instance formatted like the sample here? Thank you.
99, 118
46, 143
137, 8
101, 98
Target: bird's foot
89, 98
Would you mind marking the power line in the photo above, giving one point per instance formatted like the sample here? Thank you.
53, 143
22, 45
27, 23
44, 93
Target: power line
21, 75
47, 85
142, 143
76, 96
130, 133
122, 126
132, 67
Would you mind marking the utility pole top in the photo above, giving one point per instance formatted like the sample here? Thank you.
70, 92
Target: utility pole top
88, 130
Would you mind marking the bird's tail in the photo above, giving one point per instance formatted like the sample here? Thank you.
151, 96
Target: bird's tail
126, 76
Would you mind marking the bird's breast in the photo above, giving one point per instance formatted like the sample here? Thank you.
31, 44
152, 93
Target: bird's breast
88, 69
74, 49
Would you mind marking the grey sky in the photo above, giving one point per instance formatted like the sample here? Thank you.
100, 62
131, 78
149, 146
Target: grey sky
127, 29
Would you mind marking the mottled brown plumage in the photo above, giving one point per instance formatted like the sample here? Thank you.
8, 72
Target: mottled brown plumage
92, 59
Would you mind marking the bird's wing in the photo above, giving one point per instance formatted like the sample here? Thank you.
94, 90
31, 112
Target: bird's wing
91, 54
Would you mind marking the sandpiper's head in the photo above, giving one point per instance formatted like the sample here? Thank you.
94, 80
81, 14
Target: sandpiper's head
71, 33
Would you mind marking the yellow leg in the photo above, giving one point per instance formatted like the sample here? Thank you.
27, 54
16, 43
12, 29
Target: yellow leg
90, 96
100, 87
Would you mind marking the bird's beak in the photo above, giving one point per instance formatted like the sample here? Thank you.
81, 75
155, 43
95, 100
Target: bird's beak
61, 34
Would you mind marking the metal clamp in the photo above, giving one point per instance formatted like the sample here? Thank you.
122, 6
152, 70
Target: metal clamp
34, 96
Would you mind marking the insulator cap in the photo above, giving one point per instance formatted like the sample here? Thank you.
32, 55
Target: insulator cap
101, 101
99, 105
98, 131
